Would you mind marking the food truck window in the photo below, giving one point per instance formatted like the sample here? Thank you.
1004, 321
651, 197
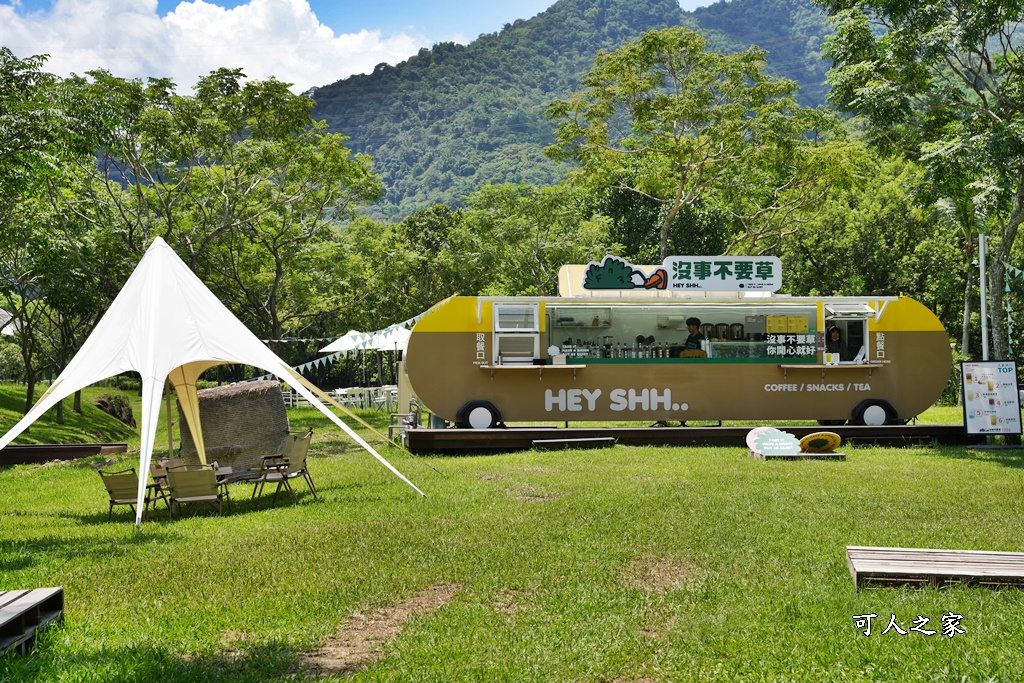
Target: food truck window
515, 348
516, 332
854, 332
632, 332
516, 317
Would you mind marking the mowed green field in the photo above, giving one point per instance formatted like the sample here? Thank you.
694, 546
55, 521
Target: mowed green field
621, 564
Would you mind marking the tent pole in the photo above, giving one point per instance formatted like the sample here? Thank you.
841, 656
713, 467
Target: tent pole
170, 429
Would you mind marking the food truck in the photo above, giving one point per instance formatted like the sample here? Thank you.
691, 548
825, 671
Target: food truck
614, 349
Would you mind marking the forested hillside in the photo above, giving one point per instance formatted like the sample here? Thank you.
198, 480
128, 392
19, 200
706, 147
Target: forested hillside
454, 118
792, 31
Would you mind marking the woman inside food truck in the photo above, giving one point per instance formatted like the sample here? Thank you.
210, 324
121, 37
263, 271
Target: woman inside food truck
834, 343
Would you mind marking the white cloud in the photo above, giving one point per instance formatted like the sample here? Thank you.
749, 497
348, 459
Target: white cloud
265, 38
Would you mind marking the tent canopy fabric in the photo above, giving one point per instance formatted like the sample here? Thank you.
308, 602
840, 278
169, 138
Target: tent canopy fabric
391, 339
166, 324
395, 338
350, 341
6, 326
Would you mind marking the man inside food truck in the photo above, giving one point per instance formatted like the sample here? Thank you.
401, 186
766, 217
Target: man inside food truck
694, 340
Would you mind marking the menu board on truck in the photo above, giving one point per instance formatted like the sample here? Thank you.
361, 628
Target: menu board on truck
991, 400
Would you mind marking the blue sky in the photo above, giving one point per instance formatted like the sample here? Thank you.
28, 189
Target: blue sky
307, 43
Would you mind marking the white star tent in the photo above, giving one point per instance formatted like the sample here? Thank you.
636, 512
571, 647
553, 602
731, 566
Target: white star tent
391, 339
6, 327
350, 341
166, 325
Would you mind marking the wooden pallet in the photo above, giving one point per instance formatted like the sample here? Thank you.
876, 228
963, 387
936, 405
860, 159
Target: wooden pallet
925, 566
831, 455
24, 612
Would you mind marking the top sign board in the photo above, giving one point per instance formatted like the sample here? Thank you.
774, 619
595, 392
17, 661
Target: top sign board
991, 399
688, 274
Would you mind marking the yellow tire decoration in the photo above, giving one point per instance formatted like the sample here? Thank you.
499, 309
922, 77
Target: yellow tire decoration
820, 442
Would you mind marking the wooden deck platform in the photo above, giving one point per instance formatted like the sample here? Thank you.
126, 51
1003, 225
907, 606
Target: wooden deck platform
422, 440
925, 566
559, 444
15, 454
24, 612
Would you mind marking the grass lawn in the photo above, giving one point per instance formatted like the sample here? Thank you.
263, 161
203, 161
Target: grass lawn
627, 564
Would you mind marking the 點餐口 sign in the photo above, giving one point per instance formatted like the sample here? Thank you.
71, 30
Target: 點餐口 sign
688, 273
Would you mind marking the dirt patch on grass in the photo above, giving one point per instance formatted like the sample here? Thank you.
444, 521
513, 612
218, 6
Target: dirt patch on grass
491, 477
362, 639
229, 640
657, 575
511, 600
530, 493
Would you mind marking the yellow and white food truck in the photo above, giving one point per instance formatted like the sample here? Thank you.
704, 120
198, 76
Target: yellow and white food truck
618, 352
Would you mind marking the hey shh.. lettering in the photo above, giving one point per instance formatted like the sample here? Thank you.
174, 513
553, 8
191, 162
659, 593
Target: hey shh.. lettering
620, 400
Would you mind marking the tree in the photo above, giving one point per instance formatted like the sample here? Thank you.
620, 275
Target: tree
526, 234
839, 254
273, 268
699, 229
11, 364
38, 133
56, 301
236, 177
28, 130
20, 290
443, 255
944, 82
665, 118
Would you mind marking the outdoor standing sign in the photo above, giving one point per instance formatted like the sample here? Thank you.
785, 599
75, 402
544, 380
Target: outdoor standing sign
689, 274
771, 441
991, 400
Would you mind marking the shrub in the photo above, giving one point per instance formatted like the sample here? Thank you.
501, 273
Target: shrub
12, 367
118, 406
951, 394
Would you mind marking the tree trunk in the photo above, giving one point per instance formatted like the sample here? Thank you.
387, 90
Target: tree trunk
997, 275
30, 393
670, 216
60, 412
965, 338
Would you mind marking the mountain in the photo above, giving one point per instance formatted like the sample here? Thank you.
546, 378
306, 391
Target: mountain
793, 32
455, 117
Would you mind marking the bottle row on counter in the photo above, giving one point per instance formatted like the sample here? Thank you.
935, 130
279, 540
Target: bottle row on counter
772, 346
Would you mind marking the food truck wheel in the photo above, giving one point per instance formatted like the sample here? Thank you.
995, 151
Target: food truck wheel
478, 415
874, 411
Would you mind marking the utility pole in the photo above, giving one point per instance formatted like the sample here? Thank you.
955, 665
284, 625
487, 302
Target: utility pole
984, 297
